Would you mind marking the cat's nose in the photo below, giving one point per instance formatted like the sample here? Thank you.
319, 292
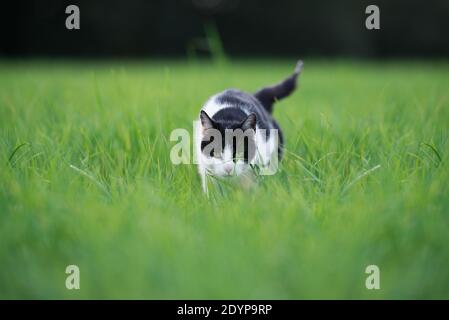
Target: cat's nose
228, 168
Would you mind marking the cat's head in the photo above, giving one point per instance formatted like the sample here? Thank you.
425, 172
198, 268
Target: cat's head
228, 142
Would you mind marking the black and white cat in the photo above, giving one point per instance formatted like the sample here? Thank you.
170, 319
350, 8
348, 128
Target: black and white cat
231, 111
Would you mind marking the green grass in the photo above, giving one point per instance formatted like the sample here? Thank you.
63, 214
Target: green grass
86, 179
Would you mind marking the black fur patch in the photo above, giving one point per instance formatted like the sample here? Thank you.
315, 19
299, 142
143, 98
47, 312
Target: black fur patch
238, 105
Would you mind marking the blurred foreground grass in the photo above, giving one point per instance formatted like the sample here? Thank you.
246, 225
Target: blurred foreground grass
86, 179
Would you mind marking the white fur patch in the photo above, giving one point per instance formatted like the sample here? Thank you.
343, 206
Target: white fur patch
221, 166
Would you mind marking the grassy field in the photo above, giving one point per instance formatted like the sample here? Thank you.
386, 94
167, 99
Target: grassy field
86, 179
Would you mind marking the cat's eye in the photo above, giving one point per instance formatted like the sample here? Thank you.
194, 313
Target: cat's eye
214, 153
239, 156
239, 151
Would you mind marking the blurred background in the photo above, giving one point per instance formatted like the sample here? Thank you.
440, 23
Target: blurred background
235, 28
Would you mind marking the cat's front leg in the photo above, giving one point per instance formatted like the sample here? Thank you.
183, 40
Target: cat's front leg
202, 172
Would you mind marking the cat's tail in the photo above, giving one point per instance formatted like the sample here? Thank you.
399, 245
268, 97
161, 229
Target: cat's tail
269, 95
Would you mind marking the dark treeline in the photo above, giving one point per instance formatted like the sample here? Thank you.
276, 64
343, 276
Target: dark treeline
139, 28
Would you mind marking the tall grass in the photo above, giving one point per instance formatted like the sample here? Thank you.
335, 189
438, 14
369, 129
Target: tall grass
86, 179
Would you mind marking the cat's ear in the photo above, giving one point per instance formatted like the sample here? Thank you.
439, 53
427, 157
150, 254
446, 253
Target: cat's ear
206, 121
249, 122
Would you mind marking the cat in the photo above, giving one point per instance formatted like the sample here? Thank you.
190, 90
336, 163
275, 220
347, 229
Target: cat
260, 138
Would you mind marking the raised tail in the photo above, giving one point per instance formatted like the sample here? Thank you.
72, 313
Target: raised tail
269, 95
